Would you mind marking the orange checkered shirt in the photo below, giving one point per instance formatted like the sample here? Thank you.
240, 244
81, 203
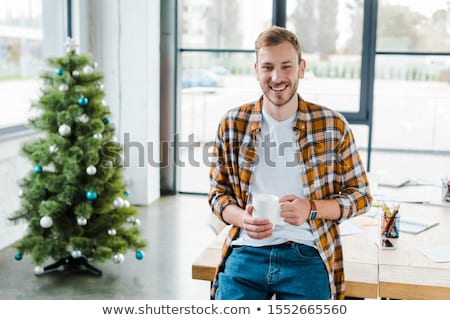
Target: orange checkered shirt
328, 159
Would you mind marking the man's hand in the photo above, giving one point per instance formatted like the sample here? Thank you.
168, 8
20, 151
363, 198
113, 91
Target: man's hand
294, 210
256, 228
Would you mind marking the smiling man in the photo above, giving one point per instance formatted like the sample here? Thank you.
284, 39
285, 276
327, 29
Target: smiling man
301, 152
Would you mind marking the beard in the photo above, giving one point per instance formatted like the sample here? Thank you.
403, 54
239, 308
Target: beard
279, 100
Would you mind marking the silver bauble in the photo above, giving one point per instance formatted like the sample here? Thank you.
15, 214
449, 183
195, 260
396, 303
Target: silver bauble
76, 254
82, 221
118, 202
53, 148
91, 170
46, 222
38, 270
88, 69
118, 258
64, 130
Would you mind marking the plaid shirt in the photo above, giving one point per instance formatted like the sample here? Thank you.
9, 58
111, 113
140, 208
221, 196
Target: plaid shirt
329, 162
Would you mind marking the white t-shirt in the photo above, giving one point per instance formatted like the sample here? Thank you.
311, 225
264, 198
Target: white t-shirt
277, 172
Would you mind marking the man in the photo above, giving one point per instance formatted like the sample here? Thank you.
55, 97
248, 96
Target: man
301, 152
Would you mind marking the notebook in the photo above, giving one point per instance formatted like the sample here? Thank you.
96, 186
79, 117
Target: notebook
415, 225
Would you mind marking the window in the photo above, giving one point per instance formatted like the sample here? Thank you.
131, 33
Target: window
330, 33
21, 39
412, 89
216, 40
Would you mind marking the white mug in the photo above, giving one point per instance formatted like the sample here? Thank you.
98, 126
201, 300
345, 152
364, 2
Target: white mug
266, 206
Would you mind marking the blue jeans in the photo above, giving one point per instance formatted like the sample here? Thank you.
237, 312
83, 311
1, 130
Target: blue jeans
291, 271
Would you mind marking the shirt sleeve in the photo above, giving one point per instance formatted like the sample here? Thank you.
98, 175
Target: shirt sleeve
354, 197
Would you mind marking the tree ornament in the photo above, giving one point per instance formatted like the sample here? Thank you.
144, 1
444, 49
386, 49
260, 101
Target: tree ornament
18, 256
112, 232
118, 258
83, 101
53, 148
137, 222
91, 170
88, 69
38, 270
46, 222
97, 136
105, 120
38, 169
126, 203
59, 72
82, 221
63, 87
101, 86
104, 103
64, 130
70, 44
139, 255
91, 195
130, 219
126, 193
83, 118
118, 202
76, 254
75, 73
20, 193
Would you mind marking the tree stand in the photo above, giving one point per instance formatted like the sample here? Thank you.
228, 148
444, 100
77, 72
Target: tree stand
70, 264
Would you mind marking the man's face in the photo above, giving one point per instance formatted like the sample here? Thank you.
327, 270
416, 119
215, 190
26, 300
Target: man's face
278, 72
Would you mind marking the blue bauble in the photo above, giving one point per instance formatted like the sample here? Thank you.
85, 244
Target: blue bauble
126, 193
83, 101
59, 72
18, 256
38, 169
139, 255
105, 120
91, 195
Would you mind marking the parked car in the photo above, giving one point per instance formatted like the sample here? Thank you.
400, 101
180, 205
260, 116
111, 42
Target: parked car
200, 78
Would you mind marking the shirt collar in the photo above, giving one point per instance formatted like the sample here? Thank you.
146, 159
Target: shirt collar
299, 122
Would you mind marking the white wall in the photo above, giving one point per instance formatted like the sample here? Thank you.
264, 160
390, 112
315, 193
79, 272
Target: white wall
124, 37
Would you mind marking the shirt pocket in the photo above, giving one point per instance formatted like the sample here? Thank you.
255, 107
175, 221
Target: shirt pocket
320, 153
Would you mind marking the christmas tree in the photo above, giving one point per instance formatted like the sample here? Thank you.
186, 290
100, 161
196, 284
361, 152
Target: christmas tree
74, 198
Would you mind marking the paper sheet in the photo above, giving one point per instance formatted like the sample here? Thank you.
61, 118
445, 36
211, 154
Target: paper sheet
348, 227
436, 253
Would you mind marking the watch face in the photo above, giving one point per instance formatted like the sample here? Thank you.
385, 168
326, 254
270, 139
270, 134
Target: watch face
313, 214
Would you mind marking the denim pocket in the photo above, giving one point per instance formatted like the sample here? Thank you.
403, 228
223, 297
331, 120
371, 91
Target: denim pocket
306, 252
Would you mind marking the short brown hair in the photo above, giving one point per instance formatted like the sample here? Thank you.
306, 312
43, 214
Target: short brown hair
276, 35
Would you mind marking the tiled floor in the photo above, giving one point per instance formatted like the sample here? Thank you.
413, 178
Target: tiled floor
175, 228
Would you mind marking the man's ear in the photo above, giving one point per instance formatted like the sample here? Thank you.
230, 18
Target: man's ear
301, 69
255, 66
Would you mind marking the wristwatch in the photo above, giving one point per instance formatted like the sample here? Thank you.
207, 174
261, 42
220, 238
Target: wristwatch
313, 212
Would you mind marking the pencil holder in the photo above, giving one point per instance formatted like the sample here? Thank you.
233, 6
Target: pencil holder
390, 222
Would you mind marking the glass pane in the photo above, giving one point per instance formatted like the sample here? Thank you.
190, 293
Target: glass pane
218, 24
211, 84
412, 115
20, 58
413, 25
332, 50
